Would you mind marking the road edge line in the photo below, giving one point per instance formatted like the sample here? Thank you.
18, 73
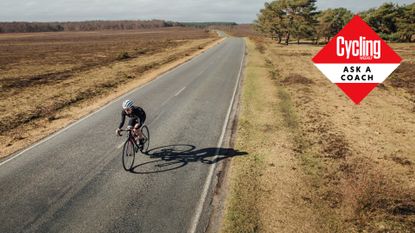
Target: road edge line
201, 202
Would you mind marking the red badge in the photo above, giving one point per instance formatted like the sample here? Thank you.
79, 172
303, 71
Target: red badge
357, 60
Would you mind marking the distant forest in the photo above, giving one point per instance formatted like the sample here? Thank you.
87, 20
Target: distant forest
207, 24
10, 27
99, 25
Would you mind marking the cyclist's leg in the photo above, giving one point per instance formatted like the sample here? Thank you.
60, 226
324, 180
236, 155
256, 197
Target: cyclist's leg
138, 126
137, 131
135, 126
131, 125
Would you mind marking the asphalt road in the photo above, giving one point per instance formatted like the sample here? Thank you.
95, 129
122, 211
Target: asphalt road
74, 181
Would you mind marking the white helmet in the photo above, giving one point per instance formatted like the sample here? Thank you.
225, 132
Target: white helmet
127, 104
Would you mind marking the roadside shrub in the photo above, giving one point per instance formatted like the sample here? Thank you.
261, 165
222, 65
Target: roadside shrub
123, 55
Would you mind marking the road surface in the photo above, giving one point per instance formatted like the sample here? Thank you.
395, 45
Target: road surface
74, 181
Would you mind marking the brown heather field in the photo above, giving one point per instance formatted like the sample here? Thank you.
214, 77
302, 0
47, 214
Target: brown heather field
25, 56
240, 30
317, 162
48, 79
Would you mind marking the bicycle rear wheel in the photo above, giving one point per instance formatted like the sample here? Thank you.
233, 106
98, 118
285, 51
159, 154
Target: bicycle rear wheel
146, 133
128, 155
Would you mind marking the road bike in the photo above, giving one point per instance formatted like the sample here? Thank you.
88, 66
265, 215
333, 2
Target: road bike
131, 147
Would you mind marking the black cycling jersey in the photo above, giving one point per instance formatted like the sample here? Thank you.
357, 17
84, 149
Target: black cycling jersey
137, 116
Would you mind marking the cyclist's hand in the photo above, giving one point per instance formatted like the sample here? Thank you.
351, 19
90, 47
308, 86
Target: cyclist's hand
118, 132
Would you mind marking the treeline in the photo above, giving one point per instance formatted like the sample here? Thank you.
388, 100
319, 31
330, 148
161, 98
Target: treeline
207, 24
11, 27
285, 20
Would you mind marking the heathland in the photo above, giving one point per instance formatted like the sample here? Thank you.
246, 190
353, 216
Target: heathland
316, 161
49, 79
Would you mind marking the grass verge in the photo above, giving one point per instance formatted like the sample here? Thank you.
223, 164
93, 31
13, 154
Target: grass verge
242, 208
266, 184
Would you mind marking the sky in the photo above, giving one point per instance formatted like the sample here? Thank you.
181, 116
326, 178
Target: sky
239, 11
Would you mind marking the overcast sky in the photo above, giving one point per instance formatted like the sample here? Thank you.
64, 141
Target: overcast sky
240, 11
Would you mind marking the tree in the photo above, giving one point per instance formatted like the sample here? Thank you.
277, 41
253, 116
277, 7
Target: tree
271, 21
392, 22
289, 18
331, 21
299, 19
383, 19
406, 23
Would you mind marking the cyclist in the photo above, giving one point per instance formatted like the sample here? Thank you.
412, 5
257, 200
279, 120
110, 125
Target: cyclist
137, 117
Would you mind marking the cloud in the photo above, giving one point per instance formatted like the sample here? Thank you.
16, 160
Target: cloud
241, 11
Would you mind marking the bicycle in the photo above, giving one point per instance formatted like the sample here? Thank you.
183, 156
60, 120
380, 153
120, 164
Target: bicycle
131, 147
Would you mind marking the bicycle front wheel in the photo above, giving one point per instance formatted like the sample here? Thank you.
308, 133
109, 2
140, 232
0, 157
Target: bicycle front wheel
146, 134
128, 155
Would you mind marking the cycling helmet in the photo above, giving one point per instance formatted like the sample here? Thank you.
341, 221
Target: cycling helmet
127, 104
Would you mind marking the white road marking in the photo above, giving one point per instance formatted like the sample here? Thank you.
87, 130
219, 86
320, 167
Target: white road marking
105, 106
155, 119
178, 93
199, 208
165, 102
201, 72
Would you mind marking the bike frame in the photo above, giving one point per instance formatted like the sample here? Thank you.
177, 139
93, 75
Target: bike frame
131, 137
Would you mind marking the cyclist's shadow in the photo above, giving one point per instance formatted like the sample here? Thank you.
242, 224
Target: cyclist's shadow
176, 156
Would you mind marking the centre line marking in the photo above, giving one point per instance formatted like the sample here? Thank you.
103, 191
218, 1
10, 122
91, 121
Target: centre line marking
180, 91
